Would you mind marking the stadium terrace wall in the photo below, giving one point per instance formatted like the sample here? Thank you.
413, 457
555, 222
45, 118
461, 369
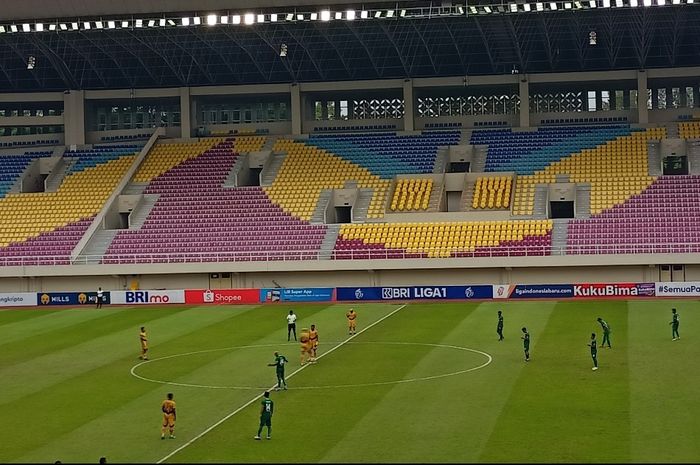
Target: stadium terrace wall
131, 278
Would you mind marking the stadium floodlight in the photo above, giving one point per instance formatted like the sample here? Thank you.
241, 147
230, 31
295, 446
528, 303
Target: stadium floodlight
567, 5
236, 19
647, 2
661, 2
378, 14
185, 21
139, 23
39, 27
539, 6
390, 14
526, 7
74, 26
634, 3
618, 3
513, 8
13, 28
212, 20
261, 18
593, 4
676, 2
300, 17
86, 25
460, 9
578, 4
338, 15
161, 22
553, 6
350, 15
606, 3
197, 20
249, 18
26, 27
151, 23
52, 27
314, 16
99, 25
273, 18
111, 25
325, 15
2, 29
290, 17
487, 9
63, 26
224, 19
364, 14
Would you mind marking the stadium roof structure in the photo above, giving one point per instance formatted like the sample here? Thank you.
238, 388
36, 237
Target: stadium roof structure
129, 44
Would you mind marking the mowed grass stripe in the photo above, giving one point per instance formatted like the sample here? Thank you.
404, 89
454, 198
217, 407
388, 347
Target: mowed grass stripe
664, 382
57, 331
595, 426
9, 315
132, 406
329, 414
456, 414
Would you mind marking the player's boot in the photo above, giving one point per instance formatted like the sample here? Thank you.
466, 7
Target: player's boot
268, 438
257, 438
595, 368
162, 436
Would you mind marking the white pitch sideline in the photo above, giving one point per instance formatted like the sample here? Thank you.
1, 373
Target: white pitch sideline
256, 398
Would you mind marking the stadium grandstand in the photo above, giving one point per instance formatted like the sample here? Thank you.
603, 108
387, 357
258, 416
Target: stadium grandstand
453, 136
401, 178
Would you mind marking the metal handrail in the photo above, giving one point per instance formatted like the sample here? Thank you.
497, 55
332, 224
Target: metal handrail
362, 254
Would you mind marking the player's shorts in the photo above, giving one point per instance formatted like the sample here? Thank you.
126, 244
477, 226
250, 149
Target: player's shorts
306, 348
527, 347
351, 324
168, 420
266, 420
144, 346
314, 344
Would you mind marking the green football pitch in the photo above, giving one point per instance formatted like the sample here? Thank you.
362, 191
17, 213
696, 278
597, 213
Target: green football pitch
418, 383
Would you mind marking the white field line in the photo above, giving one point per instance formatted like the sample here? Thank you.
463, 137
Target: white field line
256, 398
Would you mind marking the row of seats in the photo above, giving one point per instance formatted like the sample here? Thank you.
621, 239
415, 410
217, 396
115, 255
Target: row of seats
364, 127
125, 137
29, 143
689, 130
241, 132
625, 158
444, 238
591, 120
412, 194
327, 172
492, 192
77, 198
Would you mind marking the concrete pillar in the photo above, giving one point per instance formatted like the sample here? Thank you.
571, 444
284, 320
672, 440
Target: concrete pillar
409, 123
643, 112
74, 117
296, 109
185, 113
524, 91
